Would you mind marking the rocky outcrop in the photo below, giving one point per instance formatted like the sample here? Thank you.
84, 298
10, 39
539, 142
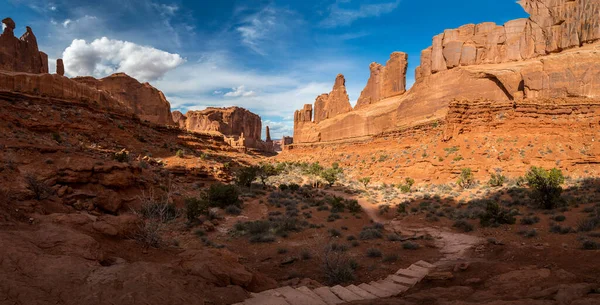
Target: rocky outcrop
146, 101
21, 54
240, 127
179, 119
525, 59
59, 87
334, 103
60, 67
553, 26
385, 81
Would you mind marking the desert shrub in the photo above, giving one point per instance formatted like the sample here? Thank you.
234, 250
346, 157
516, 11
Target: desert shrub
394, 237
497, 179
159, 210
466, 180
590, 245
262, 238
587, 225
351, 237
353, 206
223, 195
337, 266
494, 215
148, 234
246, 175
528, 233
371, 232
559, 218
330, 175
384, 209
546, 186
282, 250
390, 258
195, 207
337, 204
558, 229
294, 187
266, 170
233, 210
335, 233
529, 220
463, 225
40, 189
406, 187
365, 181
283, 187
409, 245
180, 153
374, 252
200, 233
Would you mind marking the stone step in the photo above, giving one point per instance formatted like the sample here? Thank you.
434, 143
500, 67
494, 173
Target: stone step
418, 269
268, 293
405, 281
328, 296
308, 292
374, 290
388, 292
393, 287
259, 299
362, 293
425, 264
345, 294
411, 273
295, 297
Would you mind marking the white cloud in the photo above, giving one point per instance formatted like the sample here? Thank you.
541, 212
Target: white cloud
66, 23
105, 56
3, 26
240, 92
339, 16
279, 129
257, 28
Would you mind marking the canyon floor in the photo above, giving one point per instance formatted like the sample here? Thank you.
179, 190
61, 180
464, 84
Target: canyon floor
95, 210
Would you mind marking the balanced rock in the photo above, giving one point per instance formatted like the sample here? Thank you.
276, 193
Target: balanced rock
60, 67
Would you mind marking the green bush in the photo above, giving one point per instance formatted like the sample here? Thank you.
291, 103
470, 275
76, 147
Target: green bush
266, 170
374, 252
246, 175
466, 179
546, 186
330, 175
195, 207
179, 154
283, 187
409, 245
353, 206
337, 204
464, 225
494, 215
365, 181
223, 195
497, 179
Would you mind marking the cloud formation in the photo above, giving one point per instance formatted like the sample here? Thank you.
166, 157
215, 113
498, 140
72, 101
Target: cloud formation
240, 92
339, 16
104, 56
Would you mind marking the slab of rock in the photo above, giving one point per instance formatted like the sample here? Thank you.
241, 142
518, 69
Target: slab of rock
336, 102
385, 81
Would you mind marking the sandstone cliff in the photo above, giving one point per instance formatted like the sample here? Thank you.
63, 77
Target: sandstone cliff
240, 127
335, 103
21, 55
385, 81
553, 54
146, 101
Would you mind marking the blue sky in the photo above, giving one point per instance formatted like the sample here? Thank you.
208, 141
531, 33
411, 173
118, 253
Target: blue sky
269, 56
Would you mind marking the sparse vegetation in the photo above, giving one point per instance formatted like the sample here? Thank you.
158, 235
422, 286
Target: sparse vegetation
494, 215
39, 188
466, 179
246, 175
365, 181
546, 186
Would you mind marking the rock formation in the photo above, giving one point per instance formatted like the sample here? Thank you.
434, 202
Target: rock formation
334, 103
269, 146
146, 101
385, 81
240, 127
21, 55
179, 119
554, 54
60, 67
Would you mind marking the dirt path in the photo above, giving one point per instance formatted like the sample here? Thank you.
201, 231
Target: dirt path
454, 246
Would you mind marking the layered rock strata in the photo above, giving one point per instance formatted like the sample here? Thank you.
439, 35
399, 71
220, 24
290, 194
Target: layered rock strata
554, 54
